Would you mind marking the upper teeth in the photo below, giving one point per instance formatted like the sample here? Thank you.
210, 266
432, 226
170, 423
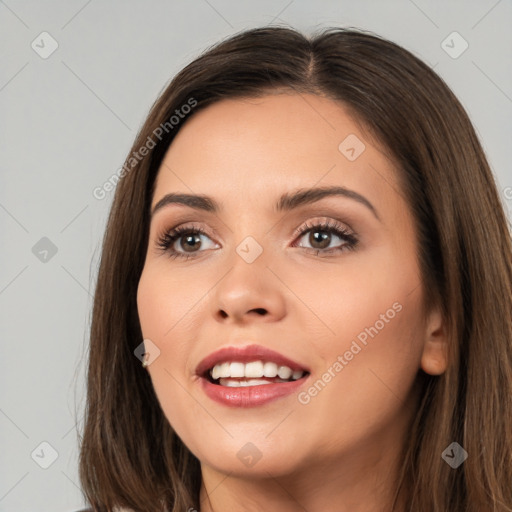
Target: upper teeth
254, 369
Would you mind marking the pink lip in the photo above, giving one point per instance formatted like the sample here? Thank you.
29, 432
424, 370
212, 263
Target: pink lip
246, 354
248, 396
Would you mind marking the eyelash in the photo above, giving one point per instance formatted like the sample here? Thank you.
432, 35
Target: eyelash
167, 239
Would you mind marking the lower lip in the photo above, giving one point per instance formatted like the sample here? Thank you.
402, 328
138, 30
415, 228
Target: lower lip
250, 396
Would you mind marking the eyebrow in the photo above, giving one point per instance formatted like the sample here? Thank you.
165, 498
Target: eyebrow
287, 202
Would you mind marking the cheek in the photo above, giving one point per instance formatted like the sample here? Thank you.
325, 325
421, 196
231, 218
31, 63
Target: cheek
159, 314
369, 365
160, 311
362, 290
151, 303
367, 333
165, 303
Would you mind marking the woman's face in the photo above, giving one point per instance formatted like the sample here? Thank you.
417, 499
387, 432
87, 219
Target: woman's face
342, 301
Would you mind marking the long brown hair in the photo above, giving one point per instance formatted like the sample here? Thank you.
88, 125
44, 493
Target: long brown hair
130, 455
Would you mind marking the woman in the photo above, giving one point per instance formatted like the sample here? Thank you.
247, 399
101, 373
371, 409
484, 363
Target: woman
304, 297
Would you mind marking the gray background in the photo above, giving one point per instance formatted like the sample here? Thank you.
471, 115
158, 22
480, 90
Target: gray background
67, 123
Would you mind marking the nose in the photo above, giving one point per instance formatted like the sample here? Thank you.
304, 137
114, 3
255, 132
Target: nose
249, 292
257, 311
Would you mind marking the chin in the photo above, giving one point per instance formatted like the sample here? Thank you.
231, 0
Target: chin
254, 456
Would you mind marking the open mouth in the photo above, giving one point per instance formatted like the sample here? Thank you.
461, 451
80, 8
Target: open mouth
253, 373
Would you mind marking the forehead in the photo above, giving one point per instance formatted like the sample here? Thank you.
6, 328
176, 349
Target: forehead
253, 149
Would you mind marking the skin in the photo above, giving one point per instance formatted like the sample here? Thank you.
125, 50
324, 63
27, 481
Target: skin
339, 451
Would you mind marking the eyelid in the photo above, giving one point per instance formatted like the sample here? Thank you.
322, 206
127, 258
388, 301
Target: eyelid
166, 240
299, 230
192, 225
330, 222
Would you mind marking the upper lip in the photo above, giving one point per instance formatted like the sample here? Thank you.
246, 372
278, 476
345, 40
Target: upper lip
246, 354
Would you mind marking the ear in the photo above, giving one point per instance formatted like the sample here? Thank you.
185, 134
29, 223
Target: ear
434, 359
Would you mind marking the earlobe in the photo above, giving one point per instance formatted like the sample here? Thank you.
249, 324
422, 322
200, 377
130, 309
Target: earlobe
434, 359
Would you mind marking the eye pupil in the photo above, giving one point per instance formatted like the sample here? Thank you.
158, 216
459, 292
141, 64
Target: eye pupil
320, 239
195, 242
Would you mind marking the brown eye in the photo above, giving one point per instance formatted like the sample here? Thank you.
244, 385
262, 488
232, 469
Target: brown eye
319, 239
321, 236
189, 242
